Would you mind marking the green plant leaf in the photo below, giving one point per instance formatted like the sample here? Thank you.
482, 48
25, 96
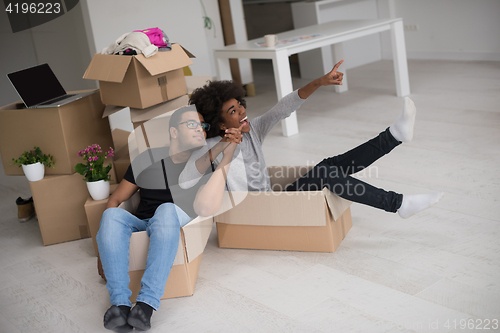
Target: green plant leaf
81, 168
34, 156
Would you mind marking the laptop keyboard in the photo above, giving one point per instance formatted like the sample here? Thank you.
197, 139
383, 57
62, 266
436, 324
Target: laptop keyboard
52, 101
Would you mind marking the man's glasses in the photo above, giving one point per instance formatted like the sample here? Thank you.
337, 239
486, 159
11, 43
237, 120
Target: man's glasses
194, 124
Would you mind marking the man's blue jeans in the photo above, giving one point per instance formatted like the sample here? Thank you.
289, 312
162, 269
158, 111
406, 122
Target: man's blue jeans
113, 240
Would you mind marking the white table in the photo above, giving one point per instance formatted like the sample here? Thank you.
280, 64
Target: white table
332, 33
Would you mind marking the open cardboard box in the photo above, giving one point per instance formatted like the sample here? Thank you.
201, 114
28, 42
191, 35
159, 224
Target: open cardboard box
182, 278
193, 239
137, 81
297, 221
61, 132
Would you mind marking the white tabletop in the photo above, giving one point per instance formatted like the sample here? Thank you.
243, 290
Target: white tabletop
327, 30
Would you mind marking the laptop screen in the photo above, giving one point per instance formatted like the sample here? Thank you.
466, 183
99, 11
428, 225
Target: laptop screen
36, 84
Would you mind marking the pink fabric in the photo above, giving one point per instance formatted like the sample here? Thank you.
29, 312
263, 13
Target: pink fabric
155, 36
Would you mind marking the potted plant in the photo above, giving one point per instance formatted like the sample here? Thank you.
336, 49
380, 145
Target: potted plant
94, 171
34, 163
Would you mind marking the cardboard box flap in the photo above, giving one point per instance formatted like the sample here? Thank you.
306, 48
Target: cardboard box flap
111, 109
336, 204
279, 209
190, 55
108, 68
120, 143
120, 138
137, 115
282, 176
196, 235
165, 61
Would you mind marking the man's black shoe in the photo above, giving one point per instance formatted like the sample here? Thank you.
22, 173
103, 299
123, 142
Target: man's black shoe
116, 320
140, 318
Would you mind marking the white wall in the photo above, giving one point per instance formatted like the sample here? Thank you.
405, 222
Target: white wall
213, 40
447, 29
62, 43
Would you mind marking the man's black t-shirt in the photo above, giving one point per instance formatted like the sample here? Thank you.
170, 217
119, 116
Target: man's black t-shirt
158, 183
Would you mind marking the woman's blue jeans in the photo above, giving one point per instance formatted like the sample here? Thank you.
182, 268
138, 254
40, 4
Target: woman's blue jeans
113, 240
334, 174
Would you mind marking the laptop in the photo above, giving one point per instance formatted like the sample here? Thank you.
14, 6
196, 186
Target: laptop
38, 87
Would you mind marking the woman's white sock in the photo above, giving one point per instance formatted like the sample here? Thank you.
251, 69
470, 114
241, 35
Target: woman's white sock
402, 129
413, 204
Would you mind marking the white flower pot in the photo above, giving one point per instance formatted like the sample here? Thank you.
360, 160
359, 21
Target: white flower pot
98, 190
34, 172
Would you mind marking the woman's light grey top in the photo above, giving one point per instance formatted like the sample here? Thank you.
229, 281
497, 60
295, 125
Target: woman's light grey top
248, 169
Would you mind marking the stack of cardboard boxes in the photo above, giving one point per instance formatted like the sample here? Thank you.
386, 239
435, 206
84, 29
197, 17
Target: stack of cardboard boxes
152, 88
62, 132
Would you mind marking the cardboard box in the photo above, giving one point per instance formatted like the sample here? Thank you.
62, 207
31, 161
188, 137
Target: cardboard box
137, 81
182, 278
121, 165
158, 112
120, 143
121, 160
61, 132
140, 116
59, 204
150, 131
296, 221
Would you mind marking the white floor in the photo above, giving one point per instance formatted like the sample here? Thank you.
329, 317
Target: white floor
438, 271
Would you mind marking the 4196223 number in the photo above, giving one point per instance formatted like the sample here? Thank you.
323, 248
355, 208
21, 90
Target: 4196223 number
477, 324
33, 8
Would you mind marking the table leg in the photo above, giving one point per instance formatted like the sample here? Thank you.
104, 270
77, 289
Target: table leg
223, 68
338, 54
283, 79
399, 56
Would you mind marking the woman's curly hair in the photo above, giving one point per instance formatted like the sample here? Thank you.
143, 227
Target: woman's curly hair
209, 99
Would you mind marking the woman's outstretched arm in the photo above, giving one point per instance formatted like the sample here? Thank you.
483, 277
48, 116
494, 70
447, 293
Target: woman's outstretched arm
332, 78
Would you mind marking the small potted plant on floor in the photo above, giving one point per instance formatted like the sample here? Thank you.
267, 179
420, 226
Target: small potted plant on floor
94, 171
34, 163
